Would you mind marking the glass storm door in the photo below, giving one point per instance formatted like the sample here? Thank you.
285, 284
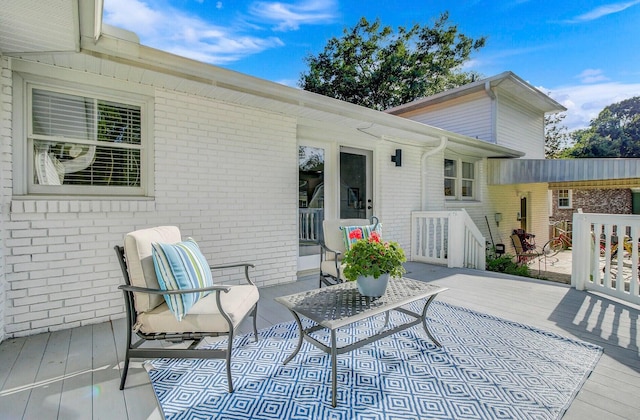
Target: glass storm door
356, 185
311, 163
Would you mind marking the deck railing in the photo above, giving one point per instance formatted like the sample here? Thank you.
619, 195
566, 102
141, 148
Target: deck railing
310, 224
605, 254
447, 238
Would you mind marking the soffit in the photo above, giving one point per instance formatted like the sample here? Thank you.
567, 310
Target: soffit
52, 25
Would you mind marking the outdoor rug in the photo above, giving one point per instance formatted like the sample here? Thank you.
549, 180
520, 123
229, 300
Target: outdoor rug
487, 368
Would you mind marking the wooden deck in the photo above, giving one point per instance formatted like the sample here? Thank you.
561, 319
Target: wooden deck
74, 374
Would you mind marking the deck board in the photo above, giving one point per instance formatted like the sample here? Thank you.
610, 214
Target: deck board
77, 388
44, 401
19, 384
91, 365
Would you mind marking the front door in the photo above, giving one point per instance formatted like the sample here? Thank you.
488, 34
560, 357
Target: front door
356, 185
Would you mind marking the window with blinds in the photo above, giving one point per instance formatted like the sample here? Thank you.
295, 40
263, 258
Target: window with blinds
84, 145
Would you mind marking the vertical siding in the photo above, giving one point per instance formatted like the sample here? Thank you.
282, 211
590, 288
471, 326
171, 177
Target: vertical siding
520, 128
470, 116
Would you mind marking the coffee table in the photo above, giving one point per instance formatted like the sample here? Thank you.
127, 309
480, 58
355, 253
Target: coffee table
340, 305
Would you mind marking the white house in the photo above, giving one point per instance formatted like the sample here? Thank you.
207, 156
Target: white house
100, 135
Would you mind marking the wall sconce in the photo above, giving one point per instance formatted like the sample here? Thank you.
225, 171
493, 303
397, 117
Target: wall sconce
498, 218
397, 158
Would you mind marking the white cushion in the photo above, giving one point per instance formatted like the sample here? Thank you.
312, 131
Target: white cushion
142, 273
204, 315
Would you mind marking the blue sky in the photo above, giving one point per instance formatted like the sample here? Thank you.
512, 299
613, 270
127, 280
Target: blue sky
585, 54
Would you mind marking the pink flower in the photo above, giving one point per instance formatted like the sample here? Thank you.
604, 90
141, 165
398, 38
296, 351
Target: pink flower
374, 237
355, 234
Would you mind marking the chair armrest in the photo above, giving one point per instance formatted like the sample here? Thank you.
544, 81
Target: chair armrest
246, 266
218, 267
150, 291
325, 248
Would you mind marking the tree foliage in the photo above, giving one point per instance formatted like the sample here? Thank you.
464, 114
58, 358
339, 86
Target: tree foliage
556, 135
614, 133
373, 66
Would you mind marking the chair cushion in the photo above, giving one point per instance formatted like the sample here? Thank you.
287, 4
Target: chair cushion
329, 268
204, 316
365, 231
142, 273
181, 266
333, 237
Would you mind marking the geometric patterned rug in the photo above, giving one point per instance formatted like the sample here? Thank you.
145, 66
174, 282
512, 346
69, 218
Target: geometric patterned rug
487, 368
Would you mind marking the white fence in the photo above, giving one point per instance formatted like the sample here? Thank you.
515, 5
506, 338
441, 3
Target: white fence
447, 238
605, 254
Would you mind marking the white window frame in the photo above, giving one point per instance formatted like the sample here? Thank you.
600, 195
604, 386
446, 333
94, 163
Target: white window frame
24, 184
569, 199
458, 180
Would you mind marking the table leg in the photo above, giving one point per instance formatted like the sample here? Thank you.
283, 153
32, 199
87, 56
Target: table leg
301, 332
334, 367
424, 320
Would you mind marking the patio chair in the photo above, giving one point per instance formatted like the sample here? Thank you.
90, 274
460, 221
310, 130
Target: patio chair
524, 256
148, 315
333, 247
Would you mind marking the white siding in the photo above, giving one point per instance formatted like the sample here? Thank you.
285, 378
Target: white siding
5, 179
470, 115
520, 128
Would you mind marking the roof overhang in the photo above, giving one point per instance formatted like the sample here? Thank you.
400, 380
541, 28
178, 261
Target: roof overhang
506, 82
101, 42
561, 171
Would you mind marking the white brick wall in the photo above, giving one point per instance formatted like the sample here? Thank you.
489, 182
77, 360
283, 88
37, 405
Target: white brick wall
5, 179
226, 175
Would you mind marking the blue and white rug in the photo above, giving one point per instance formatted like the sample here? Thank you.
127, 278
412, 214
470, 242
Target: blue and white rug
487, 368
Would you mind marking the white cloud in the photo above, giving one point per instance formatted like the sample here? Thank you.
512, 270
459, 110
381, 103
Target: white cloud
592, 76
605, 10
291, 16
175, 31
584, 102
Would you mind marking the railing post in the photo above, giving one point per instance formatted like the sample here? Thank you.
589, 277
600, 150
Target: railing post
581, 255
456, 248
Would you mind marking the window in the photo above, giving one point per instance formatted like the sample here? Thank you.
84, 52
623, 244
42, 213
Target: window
459, 179
84, 145
564, 199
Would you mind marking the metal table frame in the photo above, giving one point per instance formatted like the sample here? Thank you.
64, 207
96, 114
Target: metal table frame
340, 305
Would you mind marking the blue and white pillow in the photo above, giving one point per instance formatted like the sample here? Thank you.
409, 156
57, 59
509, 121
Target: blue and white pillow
365, 230
181, 266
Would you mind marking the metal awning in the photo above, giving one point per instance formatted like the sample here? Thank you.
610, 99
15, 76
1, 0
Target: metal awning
529, 171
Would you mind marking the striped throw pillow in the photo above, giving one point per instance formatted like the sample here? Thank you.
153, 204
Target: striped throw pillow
181, 266
365, 231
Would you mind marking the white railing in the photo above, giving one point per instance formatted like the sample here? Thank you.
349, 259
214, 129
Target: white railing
605, 254
447, 238
310, 224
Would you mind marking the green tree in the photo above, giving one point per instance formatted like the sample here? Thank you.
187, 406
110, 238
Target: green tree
373, 66
556, 135
614, 133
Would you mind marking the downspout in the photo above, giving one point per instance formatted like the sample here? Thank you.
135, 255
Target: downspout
423, 160
494, 118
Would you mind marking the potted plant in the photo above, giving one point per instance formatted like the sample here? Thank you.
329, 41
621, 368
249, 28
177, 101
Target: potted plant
371, 262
